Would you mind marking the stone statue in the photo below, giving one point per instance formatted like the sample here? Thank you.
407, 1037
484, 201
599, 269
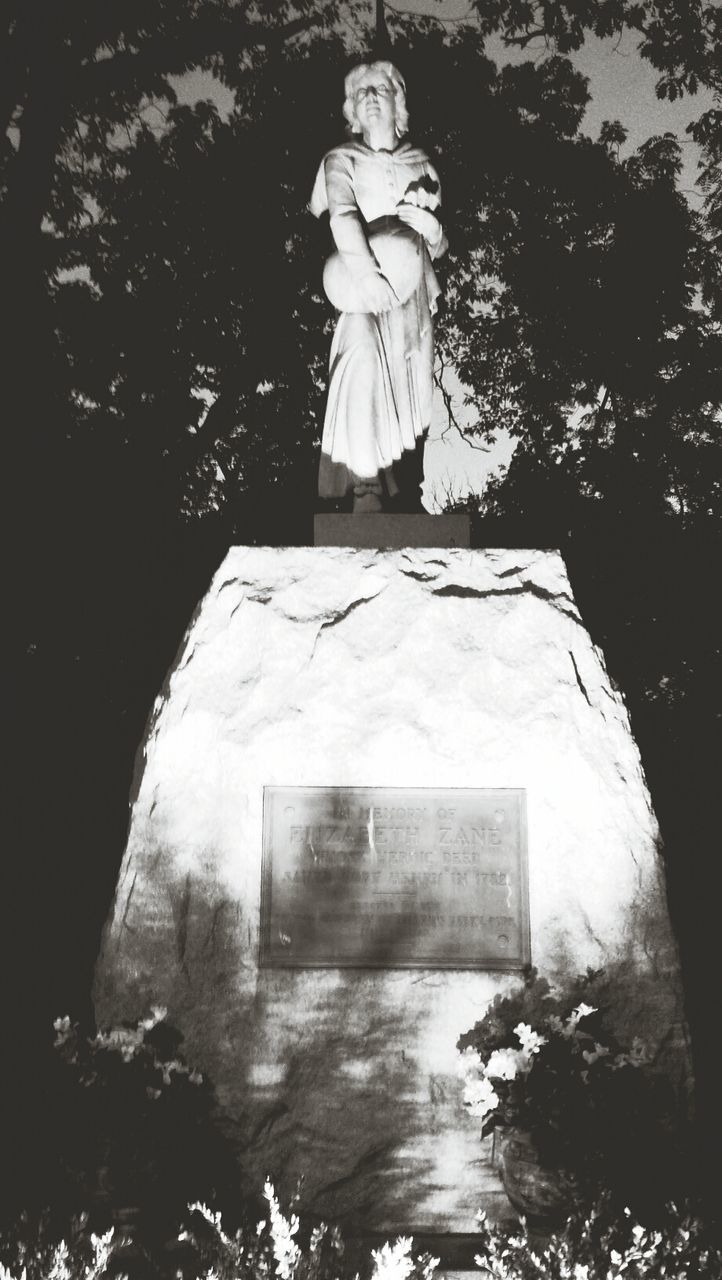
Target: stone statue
383, 199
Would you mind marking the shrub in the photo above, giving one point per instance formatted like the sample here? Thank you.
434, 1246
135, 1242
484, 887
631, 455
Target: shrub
34, 1251
271, 1249
603, 1244
599, 1245
549, 1062
136, 1124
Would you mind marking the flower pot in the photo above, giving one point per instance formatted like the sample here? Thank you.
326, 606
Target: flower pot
541, 1194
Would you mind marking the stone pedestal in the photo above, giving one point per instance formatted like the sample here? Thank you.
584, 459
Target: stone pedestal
330, 667
386, 530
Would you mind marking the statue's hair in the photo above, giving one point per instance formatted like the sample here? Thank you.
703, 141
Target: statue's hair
351, 85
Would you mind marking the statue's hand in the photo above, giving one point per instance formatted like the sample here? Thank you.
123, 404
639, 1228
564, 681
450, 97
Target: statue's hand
421, 221
380, 294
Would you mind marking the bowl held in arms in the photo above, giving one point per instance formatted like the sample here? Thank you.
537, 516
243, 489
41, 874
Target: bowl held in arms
399, 253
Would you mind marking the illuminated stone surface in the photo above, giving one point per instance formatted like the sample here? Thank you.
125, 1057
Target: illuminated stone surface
330, 667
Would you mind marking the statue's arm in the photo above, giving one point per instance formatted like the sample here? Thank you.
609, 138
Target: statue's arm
438, 244
346, 224
425, 219
438, 247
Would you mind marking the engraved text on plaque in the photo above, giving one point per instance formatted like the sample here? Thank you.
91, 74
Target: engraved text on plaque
395, 878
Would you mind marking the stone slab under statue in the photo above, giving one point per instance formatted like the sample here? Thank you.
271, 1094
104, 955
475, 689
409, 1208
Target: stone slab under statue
383, 529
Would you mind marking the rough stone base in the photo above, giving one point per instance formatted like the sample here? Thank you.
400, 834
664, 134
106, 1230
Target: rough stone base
419, 668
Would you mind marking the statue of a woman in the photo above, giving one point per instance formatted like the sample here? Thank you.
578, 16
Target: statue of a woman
383, 199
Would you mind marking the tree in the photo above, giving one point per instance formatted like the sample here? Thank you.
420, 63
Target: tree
76, 78
104, 343
630, 484
170, 344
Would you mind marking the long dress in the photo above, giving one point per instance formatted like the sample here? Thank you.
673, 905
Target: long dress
381, 366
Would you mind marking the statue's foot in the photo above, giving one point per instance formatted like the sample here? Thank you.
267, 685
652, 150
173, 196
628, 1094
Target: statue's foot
367, 498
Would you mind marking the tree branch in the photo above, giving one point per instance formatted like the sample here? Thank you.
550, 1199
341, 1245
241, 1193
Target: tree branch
453, 421
598, 424
523, 40
168, 56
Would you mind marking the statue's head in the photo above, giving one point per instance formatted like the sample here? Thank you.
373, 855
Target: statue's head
384, 73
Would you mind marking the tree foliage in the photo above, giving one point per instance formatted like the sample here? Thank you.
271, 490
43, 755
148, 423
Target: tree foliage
681, 38
168, 338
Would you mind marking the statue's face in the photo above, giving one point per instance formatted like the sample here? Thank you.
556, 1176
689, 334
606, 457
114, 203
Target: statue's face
375, 100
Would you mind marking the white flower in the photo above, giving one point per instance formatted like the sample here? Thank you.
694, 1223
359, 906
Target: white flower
157, 1013
480, 1097
285, 1250
169, 1067
317, 1237
593, 1055
393, 1261
213, 1219
123, 1040
103, 1249
468, 1062
429, 1265
637, 1056
582, 1011
505, 1064
530, 1041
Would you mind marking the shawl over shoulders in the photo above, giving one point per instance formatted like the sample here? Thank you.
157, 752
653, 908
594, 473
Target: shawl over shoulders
353, 153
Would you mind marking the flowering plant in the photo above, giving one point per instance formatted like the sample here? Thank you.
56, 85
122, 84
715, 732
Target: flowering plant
135, 1121
277, 1246
36, 1252
548, 1062
603, 1243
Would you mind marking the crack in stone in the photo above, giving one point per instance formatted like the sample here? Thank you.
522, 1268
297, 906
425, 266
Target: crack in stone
477, 593
184, 906
124, 922
592, 934
369, 1161
187, 657
210, 942
635, 860
340, 617
580, 682
344, 613
268, 1120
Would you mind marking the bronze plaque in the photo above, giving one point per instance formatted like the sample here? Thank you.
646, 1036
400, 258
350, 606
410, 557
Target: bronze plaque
401, 878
